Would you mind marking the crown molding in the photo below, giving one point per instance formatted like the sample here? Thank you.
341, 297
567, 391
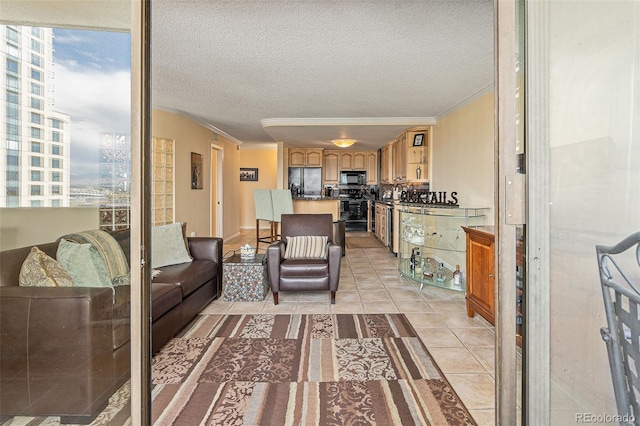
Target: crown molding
356, 121
201, 122
464, 102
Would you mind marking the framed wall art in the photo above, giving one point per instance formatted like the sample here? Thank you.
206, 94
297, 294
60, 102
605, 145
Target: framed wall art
196, 170
248, 174
418, 139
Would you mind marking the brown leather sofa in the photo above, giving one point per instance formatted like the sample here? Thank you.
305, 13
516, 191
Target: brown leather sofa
304, 274
65, 351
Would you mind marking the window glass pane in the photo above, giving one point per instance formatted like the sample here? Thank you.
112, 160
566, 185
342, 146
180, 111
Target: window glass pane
36, 189
36, 133
36, 89
12, 97
36, 60
12, 35
36, 74
12, 51
51, 135
12, 66
36, 45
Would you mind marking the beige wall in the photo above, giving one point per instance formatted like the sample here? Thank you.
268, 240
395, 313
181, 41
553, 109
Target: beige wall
463, 154
266, 160
194, 206
21, 227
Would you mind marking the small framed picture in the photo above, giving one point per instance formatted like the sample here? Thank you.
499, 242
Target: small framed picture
250, 174
418, 139
196, 171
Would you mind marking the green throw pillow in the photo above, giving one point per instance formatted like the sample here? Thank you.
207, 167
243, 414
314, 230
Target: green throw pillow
41, 270
83, 263
168, 246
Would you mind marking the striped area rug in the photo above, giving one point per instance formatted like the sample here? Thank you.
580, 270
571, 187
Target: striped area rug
267, 369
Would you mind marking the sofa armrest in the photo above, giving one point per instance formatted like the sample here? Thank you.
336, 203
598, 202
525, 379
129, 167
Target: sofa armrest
275, 256
56, 348
334, 258
206, 248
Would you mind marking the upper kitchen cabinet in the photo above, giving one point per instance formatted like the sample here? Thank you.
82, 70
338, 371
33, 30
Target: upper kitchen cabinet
417, 155
385, 164
331, 168
305, 157
353, 160
371, 167
399, 154
409, 157
336, 161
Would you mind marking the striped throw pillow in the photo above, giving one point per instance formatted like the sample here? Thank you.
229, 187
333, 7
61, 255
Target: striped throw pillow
306, 247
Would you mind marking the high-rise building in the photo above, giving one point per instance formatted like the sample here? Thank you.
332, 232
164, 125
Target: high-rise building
35, 144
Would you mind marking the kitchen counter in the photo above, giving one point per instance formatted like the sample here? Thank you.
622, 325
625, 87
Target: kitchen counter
329, 205
314, 198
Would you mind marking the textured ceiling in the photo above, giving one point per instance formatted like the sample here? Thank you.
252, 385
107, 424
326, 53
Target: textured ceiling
248, 68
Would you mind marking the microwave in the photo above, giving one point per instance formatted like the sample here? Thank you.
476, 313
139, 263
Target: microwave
353, 178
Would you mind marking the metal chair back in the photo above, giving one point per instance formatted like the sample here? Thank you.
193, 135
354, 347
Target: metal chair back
621, 295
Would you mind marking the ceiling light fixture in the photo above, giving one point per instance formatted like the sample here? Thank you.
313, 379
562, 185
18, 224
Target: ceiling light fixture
343, 143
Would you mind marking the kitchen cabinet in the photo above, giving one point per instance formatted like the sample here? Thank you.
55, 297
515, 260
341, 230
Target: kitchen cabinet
382, 212
480, 273
353, 160
417, 159
371, 167
305, 157
331, 168
335, 161
399, 153
407, 158
385, 164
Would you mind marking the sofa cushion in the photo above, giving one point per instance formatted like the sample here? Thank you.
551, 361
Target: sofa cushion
168, 246
164, 297
83, 263
307, 268
307, 247
41, 270
189, 276
109, 250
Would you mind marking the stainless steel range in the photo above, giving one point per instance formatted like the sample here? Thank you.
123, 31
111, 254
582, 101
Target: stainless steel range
354, 205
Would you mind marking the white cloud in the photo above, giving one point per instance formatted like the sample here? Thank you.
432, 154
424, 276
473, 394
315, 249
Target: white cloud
98, 102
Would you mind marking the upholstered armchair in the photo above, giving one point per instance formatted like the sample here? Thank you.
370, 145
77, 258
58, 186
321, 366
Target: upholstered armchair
313, 263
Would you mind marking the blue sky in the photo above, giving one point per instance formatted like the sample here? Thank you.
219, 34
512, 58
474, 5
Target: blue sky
92, 85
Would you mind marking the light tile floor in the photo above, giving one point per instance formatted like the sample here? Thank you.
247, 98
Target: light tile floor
370, 283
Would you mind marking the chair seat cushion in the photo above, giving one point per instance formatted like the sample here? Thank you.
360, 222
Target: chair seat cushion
306, 268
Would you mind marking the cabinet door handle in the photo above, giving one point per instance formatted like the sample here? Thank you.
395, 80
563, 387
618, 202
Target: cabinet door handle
490, 275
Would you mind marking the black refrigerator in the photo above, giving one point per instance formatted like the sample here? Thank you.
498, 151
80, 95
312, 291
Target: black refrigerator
308, 179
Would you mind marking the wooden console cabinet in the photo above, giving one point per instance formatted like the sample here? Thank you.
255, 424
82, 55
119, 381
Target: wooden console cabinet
480, 273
